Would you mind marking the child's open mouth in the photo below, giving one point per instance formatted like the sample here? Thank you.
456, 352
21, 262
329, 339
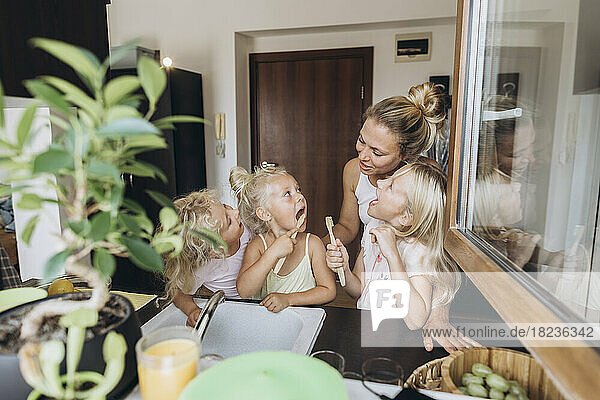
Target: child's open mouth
299, 214
373, 202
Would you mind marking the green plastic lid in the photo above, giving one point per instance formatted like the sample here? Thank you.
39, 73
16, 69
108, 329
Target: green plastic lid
268, 376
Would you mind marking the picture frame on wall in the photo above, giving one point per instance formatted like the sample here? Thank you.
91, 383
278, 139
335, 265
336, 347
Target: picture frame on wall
413, 47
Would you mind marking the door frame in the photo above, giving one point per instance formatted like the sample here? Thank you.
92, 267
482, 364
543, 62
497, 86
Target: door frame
365, 53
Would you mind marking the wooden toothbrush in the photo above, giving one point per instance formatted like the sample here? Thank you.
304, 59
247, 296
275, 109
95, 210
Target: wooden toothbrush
282, 260
339, 271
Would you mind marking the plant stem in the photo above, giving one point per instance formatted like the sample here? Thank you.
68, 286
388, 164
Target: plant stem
33, 320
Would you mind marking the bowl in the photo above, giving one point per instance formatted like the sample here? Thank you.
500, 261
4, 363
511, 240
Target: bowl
511, 364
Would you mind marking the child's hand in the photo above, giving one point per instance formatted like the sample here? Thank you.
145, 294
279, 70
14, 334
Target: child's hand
275, 302
193, 317
385, 237
337, 255
283, 246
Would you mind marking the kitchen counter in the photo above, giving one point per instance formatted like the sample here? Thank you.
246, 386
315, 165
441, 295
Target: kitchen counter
341, 332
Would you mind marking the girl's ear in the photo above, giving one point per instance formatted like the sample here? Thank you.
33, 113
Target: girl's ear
263, 214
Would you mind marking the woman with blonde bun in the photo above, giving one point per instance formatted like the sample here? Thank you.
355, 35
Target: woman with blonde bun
396, 131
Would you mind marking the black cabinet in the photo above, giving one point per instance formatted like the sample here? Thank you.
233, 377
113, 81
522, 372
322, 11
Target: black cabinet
183, 163
82, 23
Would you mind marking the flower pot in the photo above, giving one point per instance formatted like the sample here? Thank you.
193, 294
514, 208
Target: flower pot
118, 315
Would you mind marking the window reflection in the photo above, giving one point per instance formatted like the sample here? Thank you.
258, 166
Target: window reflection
537, 181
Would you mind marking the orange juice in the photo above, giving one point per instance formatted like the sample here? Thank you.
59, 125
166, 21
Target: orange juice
172, 369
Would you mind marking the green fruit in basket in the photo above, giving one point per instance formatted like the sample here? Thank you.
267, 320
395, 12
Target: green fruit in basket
516, 389
523, 396
477, 390
463, 389
496, 394
511, 396
497, 382
470, 378
481, 369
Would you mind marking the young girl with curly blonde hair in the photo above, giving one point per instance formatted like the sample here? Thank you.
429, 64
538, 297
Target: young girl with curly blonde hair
201, 264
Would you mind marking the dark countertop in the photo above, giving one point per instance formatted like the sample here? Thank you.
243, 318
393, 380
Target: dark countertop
341, 332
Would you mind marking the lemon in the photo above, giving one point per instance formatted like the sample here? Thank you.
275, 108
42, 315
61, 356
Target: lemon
60, 286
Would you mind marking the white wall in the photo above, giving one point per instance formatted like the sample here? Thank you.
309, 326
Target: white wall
201, 36
389, 78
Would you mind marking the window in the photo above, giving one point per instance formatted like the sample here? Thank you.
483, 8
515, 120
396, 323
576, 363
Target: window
524, 169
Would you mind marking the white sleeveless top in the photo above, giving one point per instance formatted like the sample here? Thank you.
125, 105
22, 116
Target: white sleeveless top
413, 255
365, 193
221, 274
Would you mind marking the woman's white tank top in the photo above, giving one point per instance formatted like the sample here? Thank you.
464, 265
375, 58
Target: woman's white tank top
365, 193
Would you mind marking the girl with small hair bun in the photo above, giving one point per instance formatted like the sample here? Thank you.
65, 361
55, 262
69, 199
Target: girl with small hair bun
279, 268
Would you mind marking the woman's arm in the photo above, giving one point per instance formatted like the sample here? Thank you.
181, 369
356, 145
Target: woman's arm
324, 292
257, 264
348, 224
185, 303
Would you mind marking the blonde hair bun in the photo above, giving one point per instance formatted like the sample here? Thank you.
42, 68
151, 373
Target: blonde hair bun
415, 120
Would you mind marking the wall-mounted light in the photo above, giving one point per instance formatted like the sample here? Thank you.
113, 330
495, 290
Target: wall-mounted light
167, 62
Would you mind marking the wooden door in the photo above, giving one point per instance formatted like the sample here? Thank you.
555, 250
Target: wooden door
306, 110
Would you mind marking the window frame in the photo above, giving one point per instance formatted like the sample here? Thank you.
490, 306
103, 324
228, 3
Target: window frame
575, 369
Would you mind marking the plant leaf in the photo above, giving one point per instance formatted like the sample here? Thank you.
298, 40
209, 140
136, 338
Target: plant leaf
116, 89
29, 201
48, 94
144, 222
126, 127
133, 205
152, 78
82, 61
146, 141
52, 161
54, 265
121, 111
143, 255
161, 199
81, 318
29, 228
80, 228
24, 127
130, 223
75, 96
140, 168
103, 171
168, 243
100, 226
210, 236
168, 218
175, 119
104, 262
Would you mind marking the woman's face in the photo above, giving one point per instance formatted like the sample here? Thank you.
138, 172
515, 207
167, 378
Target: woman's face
230, 222
392, 200
514, 158
378, 150
286, 203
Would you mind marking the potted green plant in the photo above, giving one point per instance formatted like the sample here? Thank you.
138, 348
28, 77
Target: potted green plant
102, 133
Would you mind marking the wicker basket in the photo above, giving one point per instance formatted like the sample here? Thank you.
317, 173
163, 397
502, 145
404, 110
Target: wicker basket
511, 364
427, 376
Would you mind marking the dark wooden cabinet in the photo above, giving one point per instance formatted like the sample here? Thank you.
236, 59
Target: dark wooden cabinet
183, 163
82, 23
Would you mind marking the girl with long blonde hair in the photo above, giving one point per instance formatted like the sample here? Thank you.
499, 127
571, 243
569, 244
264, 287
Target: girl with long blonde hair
405, 242
199, 263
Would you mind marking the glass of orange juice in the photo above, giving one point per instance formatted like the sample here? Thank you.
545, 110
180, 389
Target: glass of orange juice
167, 360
